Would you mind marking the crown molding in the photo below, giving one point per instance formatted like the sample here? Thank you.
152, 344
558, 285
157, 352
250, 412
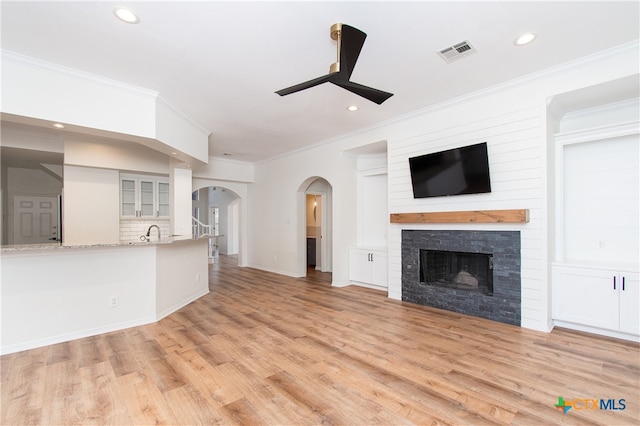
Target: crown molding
7, 54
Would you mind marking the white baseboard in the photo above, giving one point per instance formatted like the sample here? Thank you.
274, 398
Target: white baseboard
32, 344
180, 304
372, 286
600, 331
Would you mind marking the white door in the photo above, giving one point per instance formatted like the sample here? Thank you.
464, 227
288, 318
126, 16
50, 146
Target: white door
35, 219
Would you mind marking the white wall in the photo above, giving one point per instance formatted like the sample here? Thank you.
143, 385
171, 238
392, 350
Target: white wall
233, 225
225, 169
182, 275
179, 132
34, 88
277, 230
90, 206
511, 118
180, 190
119, 155
68, 295
45, 91
80, 292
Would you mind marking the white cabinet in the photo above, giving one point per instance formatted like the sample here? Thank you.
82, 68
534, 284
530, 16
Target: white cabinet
144, 196
602, 298
630, 303
368, 266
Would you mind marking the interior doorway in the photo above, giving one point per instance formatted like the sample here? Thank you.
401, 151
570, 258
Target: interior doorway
314, 217
215, 212
35, 219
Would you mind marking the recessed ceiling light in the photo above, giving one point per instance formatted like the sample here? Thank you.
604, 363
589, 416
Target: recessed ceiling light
126, 15
58, 125
525, 38
352, 108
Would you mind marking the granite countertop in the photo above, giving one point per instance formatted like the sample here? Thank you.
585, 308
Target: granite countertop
56, 245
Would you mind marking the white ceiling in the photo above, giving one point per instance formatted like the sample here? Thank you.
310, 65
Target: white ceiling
221, 62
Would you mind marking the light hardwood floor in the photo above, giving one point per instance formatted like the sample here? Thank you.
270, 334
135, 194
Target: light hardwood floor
267, 349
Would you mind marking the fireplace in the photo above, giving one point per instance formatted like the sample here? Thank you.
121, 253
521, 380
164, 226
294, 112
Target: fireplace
471, 272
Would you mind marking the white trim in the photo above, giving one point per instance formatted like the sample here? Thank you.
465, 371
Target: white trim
32, 344
277, 271
595, 330
598, 133
181, 304
175, 110
371, 286
74, 72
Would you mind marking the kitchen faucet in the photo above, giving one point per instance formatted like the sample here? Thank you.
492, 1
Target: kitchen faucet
149, 231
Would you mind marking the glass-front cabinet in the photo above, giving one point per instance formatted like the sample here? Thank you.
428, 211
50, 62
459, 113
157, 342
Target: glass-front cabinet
144, 196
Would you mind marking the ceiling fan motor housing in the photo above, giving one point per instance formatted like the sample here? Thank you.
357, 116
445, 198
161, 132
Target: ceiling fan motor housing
336, 32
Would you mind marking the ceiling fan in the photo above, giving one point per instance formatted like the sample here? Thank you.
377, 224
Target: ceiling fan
350, 41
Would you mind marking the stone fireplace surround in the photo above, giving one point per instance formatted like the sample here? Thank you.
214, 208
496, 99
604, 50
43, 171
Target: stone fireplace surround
503, 306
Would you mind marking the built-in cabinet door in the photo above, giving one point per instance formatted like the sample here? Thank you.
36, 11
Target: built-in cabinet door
360, 267
147, 198
128, 203
163, 198
379, 268
607, 299
368, 266
630, 303
585, 296
144, 197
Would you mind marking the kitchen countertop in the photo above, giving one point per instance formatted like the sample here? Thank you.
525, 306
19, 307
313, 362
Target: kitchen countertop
57, 245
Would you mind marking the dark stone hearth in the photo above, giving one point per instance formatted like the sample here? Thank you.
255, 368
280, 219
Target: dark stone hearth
502, 306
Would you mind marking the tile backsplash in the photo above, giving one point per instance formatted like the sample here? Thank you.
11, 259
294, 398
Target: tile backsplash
132, 229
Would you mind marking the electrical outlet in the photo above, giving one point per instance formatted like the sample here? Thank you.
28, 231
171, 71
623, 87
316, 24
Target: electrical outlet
113, 301
197, 277
275, 258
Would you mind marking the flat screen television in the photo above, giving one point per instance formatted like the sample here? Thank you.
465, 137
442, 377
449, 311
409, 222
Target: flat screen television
456, 171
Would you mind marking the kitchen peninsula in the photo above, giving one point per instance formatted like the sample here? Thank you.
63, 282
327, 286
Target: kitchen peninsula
52, 293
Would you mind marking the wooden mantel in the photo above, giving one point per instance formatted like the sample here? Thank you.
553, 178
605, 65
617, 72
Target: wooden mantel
477, 216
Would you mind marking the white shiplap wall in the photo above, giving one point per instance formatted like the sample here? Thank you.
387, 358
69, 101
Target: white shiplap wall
516, 144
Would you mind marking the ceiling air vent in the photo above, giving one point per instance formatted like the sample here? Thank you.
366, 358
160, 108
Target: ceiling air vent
457, 51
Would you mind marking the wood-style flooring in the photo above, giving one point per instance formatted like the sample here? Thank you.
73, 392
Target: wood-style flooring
266, 349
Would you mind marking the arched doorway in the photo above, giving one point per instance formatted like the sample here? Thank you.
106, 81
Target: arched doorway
215, 211
315, 224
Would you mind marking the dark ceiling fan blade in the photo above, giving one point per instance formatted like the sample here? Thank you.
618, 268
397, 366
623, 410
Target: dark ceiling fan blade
352, 42
374, 95
305, 85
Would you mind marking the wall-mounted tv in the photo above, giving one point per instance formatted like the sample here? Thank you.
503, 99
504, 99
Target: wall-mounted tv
456, 171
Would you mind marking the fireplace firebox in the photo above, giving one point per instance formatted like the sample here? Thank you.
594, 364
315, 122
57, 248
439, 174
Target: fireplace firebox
455, 269
470, 272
